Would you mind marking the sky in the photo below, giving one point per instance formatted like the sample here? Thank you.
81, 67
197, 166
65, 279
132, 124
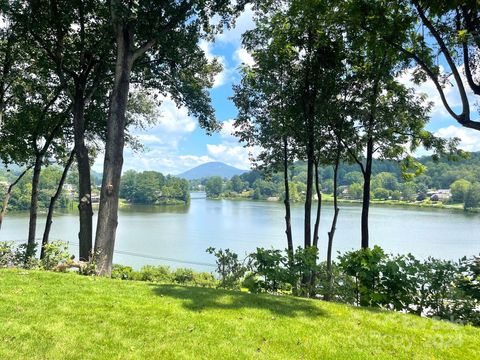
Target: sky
176, 143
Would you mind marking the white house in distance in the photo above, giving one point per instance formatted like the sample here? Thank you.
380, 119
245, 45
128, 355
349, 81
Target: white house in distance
439, 195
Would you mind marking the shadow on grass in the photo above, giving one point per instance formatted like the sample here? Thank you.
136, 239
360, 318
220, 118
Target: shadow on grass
197, 299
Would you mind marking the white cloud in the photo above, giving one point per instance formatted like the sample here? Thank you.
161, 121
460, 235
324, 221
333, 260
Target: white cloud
469, 139
228, 127
243, 23
243, 57
223, 76
232, 154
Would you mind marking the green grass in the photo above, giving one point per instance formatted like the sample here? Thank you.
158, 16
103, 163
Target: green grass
65, 316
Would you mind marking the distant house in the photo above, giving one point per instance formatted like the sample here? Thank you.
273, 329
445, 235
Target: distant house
69, 190
440, 195
95, 198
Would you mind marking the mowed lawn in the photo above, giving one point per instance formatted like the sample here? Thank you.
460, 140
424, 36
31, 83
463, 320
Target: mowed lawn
46, 315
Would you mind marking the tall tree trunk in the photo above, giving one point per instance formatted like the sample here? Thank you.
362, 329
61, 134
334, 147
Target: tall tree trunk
331, 233
53, 200
319, 207
84, 181
8, 195
32, 225
288, 217
308, 197
367, 176
112, 168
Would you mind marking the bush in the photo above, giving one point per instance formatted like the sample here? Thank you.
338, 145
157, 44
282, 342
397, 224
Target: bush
55, 253
7, 254
155, 273
229, 267
124, 273
183, 276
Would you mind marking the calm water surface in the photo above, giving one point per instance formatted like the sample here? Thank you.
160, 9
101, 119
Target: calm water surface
165, 235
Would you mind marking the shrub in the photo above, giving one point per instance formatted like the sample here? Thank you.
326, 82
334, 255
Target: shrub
229, 267
124, 272
7, 254
155, 273
183, 276
55, 253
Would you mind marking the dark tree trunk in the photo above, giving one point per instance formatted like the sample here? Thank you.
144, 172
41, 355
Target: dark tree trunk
308, 196
84, 181
367, 176
331, 233
8, 195
288, 218
32, 225
319, 207
112, 168
53, 200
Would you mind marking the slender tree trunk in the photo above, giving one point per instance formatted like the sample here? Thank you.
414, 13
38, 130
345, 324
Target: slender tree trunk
53, 200
319, 207
367, 176
84, 181
331, 233
288, 217
112, 169
32, 225
8, 195
308, 197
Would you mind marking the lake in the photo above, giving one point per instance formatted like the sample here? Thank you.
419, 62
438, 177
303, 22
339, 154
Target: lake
178, 235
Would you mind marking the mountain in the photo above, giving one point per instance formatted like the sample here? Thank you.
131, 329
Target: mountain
211, 169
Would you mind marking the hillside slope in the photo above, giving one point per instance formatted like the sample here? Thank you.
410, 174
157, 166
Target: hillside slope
211, 169
65, 316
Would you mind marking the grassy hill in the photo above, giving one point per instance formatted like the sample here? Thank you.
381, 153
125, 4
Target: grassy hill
47, 315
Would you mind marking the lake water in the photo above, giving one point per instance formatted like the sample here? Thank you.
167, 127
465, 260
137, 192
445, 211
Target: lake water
178, 235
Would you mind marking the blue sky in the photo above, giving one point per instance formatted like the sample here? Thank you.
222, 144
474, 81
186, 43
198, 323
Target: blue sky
176, 143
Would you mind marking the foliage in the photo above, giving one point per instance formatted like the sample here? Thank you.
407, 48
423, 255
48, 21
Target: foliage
214, 186
229, 267
55, 253
153, 188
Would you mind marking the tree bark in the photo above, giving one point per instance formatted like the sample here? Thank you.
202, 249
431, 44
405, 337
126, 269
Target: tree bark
319, 207
367, 176
308, 196
288, 217
53, 200
112, 168
8, 195
331, 233
32, 225
84, 181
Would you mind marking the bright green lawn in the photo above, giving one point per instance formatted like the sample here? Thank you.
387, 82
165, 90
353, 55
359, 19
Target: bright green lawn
65, 316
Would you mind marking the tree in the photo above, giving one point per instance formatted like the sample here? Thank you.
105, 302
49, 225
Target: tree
76, 44
214, 186
449, 31
237, 184
472, 198
460, 190
158, 43
386, 114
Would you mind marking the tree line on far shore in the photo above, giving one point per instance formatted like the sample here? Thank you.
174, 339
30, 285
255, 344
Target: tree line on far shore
459, 178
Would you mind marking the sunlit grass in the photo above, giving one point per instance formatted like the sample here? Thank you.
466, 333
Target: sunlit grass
65, 316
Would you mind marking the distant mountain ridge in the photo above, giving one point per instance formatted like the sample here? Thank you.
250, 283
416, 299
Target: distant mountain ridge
211, 169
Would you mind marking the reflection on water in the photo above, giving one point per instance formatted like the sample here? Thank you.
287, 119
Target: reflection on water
184, 232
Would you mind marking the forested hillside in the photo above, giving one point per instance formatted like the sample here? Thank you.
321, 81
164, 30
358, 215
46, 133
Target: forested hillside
461, 177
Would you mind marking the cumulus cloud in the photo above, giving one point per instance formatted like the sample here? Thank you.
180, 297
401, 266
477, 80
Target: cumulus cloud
222, 77
428, 87
469, 139
243, 23
243, 57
